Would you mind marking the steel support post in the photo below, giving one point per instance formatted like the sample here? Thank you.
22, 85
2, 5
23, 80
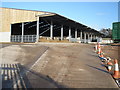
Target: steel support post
91, 37
81, 36
76, 34
37, 29
51, 30
61, 32
22, 31
69, 33
95, 37
84, 37
88, 37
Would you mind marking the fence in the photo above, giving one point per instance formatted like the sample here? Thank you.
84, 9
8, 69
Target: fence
26, 38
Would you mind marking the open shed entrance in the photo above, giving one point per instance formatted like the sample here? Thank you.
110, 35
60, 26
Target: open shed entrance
49, 28
29, 32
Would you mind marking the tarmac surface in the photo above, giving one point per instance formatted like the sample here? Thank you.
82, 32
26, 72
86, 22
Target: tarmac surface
46, 65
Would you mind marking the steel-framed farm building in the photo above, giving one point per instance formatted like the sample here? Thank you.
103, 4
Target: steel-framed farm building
18, 25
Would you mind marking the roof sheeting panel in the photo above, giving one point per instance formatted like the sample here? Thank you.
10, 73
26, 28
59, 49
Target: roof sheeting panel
58, 19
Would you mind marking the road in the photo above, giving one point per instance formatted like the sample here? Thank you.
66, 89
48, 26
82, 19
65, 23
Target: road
54, 66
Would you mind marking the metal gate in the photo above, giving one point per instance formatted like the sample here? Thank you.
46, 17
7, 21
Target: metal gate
26, 38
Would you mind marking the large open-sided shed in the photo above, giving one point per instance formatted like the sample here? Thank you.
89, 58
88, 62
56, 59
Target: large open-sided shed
28, 26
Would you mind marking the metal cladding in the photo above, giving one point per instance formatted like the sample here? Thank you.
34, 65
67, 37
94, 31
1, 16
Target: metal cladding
116, 31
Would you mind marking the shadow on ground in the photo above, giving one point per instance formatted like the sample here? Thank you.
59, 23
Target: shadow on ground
98, 69
17, 76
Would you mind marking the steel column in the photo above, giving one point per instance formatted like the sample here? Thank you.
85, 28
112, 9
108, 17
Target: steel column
61, 32
76, 34
84, 37
81, 35
51, 30
22, 31
91, 37
69, 33
95, 37
37, 29
88, 37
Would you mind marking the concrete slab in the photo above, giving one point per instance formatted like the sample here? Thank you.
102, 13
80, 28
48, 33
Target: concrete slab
54, 66
76, 66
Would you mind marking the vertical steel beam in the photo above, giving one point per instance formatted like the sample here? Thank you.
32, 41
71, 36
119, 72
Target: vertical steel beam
22, 31
51, 30
96, 37
75, 33
61, 32
91, 37
81, 36
88, 37
69, 33
37, 30
84, 37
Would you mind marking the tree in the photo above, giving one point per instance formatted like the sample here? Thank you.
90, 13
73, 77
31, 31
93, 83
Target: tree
106, 32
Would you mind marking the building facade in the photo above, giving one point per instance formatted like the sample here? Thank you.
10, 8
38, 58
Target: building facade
19, 25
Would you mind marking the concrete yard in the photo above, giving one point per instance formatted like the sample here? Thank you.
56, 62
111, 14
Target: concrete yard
112, 51
46, 65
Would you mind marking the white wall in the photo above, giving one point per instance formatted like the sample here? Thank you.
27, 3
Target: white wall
107, 41
4, 36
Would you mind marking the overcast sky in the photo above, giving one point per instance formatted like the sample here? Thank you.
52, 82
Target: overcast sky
96, 15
